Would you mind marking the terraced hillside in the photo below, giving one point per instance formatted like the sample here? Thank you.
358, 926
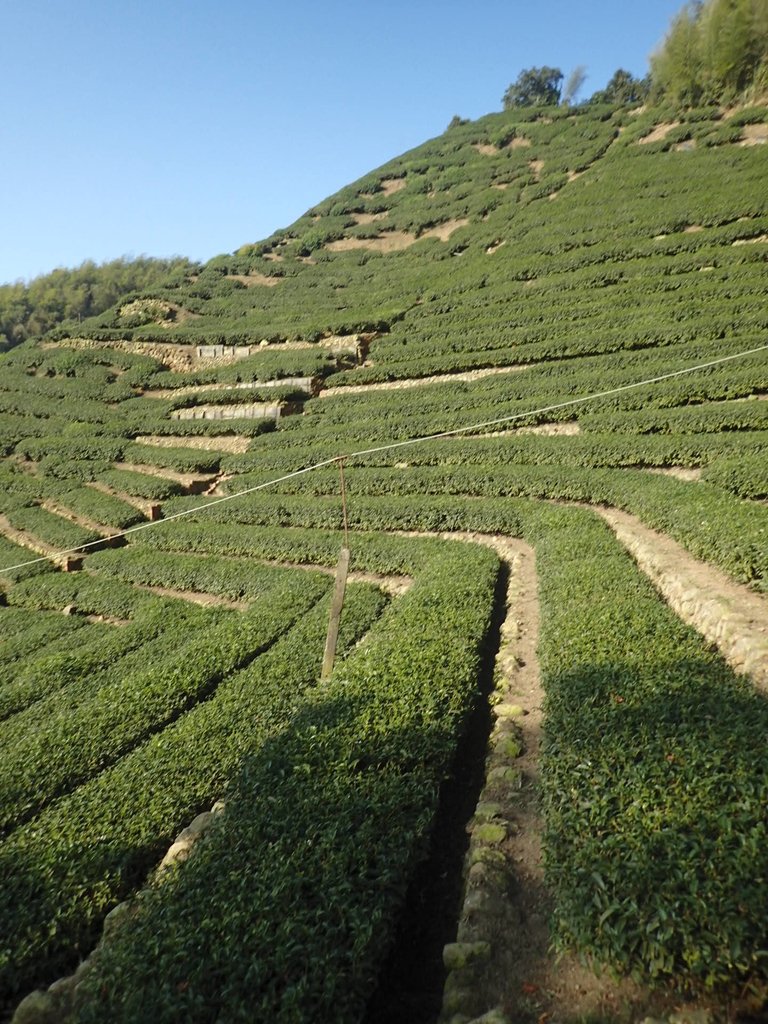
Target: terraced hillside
443, 324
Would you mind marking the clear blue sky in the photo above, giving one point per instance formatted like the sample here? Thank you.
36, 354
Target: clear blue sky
161, 127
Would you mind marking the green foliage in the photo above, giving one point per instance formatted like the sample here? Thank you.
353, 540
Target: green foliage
27, 310
100, 649
179, 460
14, 554
95, 720
140, 485
718, 417
27, 634
53, 530
372, 552
745, 476
534, 87
98, 507
86, 852
654, 785
391, 512
84, 594
713, 52
353, 786
714, 526
623, 88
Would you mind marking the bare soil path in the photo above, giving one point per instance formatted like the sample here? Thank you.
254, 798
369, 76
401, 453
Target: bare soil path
685, 473
144, 505
25, 539
88, 524
419, 382
193, 483
246, 385
232, 443
726, 613
196, 597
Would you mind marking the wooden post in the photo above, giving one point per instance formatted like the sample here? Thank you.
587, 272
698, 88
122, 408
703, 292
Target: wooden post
336, 606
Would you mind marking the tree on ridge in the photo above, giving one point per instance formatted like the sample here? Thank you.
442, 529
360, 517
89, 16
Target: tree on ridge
534, 87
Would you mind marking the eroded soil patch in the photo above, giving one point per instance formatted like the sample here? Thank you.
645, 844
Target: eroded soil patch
394, 241
686, 473
391, 185
391, 241
445, 230
254, 278
369, 218
388, 187
659, 133
754, 135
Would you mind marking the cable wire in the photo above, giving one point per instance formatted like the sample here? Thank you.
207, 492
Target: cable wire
391, 447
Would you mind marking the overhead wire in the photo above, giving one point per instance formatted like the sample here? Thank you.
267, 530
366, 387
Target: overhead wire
391, 446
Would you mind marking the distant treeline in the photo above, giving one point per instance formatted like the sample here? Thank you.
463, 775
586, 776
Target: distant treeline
29, 310
715, 52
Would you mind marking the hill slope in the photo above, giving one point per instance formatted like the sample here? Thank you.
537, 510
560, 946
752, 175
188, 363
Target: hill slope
492, 279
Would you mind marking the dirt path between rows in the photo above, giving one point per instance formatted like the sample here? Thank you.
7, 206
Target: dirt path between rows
395, 586
233, 443
195, 597
83, 521
568, 429
419, 382
501, 963
193, 483
144, 505
303, 383
25, 539
724, 612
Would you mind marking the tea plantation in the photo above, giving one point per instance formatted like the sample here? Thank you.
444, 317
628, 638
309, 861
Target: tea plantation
494, 279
